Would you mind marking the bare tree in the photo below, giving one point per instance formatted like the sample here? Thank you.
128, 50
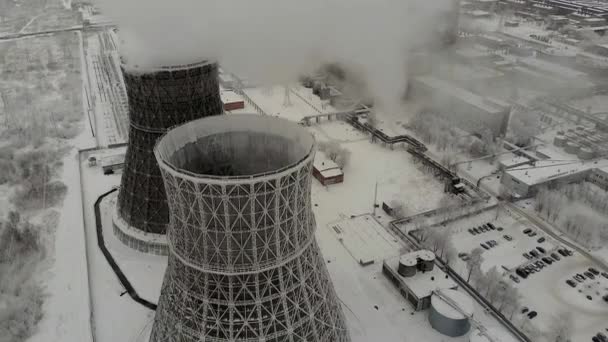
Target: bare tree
561, 328
474, 262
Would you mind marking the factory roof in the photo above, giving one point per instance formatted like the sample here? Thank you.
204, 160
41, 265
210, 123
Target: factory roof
548, 170
422, 284
489, 105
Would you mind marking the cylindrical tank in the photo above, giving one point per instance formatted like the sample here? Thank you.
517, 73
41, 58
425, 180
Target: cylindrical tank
450, 311
407, 265
427, 260
559, 141
585, 153
572, 148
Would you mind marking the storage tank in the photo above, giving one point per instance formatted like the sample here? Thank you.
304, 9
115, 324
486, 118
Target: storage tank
427, 260
450, 311
407, 265
572, 147
559, 141
585, 153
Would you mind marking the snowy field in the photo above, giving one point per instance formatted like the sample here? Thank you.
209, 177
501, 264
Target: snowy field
545, 292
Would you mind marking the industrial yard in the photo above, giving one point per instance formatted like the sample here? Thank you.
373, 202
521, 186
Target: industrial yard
149, 193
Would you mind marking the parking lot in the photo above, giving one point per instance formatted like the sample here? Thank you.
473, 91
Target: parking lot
550, 277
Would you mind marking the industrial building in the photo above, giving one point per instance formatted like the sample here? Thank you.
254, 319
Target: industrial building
326, 171
158, 99
525, 181
466, 110
244, 264
416, 277
599, 177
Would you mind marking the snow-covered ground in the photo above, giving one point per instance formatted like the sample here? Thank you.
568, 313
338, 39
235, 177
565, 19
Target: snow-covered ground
546, 291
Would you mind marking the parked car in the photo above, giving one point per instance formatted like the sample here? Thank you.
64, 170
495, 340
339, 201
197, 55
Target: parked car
562, 252
569, 252
547, 260
484, 246
462, 255
522, 273
472, 232
534, 253
605, 298
514, 278
605, 275
507, 237
602, 337
493, 227
499, 229
571, 283
527, 231
533, 234
555, 256
476, 230
542, 250
527, 256
524, 310
579, 277
589, 275
532, 314
541, 240
594, 271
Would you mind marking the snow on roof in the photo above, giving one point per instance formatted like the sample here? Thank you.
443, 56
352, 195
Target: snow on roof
489, 105
421, 284
510, 159
461, 300
411, 259
229, 96
327, 167
546, 170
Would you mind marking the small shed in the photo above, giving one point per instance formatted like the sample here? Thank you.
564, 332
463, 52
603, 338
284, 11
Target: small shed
326, 171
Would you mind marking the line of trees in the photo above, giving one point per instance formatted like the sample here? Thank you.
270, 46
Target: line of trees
335, 152
21, 296
579, 210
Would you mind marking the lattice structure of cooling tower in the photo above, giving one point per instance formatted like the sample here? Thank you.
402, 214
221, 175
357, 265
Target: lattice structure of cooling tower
158, 100
243, 264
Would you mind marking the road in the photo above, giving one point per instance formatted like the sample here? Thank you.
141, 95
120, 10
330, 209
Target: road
547, 228
21, 35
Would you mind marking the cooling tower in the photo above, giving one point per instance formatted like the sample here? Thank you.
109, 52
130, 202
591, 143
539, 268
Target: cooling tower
243, 262
158, 99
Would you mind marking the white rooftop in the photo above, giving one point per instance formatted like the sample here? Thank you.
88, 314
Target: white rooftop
546, 170
421, 284
326, 166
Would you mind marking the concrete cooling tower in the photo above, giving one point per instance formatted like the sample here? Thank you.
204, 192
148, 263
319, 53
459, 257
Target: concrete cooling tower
243, 263
158, 99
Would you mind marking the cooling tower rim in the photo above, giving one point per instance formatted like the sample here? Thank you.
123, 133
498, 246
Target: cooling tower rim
137, 70
178, 136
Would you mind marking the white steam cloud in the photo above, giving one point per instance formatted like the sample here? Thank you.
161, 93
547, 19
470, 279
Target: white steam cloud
273, 41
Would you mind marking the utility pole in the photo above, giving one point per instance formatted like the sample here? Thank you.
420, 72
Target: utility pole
375, 197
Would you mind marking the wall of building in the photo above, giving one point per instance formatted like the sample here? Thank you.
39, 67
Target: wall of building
599, 177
